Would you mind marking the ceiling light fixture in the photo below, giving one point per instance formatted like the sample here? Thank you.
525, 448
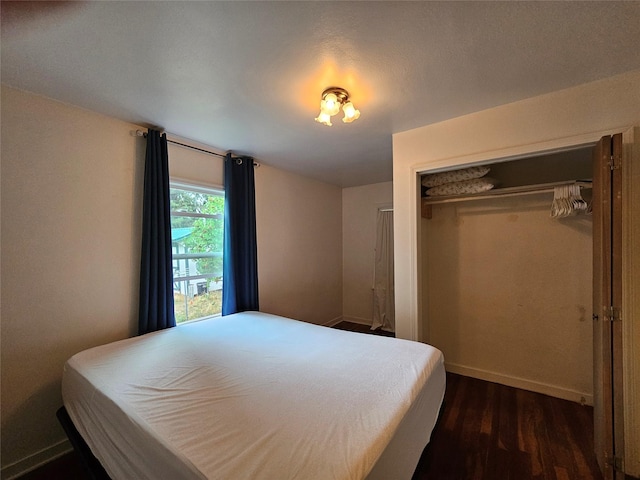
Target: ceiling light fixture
332, 99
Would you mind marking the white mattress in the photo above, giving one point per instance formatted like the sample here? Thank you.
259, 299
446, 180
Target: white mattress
256, 396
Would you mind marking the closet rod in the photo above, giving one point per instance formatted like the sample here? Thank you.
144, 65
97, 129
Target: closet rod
505, 192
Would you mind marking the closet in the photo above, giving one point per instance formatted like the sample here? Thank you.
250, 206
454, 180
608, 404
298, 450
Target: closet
507, 288
516, 295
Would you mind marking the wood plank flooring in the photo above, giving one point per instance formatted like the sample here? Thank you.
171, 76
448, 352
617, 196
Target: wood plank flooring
492, 432
358, 327
67, 467
486, 431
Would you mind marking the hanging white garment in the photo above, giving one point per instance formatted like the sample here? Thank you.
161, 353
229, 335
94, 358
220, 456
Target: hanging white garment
383, 296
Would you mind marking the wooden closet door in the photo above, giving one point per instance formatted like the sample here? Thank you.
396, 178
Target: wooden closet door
607, 300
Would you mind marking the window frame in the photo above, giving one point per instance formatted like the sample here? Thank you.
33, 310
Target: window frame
208, 190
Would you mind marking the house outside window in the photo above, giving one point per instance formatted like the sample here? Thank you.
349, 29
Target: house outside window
197, 222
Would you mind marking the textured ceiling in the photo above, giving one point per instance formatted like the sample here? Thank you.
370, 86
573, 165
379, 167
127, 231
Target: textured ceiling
247, 76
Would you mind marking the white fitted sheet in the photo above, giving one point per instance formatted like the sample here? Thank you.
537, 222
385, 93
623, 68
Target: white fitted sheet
256, 396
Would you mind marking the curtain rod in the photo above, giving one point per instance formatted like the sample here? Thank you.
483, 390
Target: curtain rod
196, 148
140, 133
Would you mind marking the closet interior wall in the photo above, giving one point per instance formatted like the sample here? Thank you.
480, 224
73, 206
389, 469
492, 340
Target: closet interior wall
507, 289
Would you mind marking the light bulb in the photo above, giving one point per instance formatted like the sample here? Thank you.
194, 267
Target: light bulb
324, 118
331, 101
330, 104
350, 113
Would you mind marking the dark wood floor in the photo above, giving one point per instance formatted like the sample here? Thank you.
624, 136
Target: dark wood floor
359, 327
67, 467
486, 432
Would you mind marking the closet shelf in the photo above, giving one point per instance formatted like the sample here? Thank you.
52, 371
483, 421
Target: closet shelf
504, 192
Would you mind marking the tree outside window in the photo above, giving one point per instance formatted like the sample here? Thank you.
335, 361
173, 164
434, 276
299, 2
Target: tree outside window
197, 222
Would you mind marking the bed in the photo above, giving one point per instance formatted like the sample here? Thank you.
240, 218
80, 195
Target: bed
256, 396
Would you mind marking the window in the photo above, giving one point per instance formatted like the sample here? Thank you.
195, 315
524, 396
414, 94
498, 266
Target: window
197, 222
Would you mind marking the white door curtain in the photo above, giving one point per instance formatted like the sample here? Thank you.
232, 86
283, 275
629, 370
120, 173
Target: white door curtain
383, 299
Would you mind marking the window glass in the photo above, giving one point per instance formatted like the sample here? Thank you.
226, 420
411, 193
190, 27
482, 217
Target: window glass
197, 222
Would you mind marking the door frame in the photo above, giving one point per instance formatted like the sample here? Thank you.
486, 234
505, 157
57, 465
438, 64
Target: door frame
630, 323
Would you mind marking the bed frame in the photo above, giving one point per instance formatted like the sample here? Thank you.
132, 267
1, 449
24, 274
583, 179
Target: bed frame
91, 465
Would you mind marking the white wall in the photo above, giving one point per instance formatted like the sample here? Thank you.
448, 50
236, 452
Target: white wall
71, 200
70, 256
195, 167
299, 246
359, 214
507, 293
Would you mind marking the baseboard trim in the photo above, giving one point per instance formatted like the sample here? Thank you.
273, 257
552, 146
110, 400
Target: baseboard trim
333, 322
36, 460
522, 383
358, 320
